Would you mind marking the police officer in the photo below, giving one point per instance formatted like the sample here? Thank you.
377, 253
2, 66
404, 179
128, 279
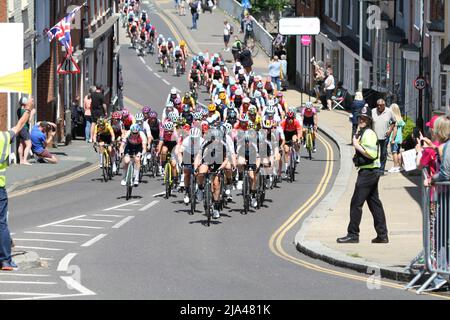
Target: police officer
367, 159
5, 147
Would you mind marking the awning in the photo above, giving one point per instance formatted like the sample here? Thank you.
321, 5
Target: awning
98, 36
353, 45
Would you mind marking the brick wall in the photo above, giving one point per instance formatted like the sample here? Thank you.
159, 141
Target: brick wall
3, 97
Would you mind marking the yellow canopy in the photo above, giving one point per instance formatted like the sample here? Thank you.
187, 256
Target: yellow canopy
17, 82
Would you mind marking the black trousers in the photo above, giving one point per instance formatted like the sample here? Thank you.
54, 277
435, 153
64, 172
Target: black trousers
383, 153
366, 189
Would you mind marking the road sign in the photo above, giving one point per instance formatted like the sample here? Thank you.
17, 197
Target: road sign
68, 66
299, 26
420, 83
305, 40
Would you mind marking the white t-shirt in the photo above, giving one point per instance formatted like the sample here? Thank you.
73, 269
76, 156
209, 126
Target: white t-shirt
329, 83
226, 30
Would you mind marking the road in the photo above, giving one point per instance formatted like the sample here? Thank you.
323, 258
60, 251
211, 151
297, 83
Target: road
99, 246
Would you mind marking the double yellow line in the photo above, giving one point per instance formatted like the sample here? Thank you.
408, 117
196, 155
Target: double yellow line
276, 240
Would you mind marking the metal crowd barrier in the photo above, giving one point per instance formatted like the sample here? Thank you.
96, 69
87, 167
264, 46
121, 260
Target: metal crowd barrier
436, 236
234, 9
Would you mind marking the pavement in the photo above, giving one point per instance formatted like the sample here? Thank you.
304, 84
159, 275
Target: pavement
317, 236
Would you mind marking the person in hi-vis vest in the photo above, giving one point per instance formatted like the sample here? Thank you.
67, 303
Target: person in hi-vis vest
5, 148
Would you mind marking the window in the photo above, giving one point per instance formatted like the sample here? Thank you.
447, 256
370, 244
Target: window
417, 15
25, 20
400, 6
327, 7
442, 83
350, 14
92, 6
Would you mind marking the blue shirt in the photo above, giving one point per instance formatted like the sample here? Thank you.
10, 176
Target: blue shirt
275, 69
38, 140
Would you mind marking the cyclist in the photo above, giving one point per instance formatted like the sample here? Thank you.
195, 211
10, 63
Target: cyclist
160, 40
187, 114
163, 52
167, 110
230, 115
155, 129
167, 141
242, 124
254, 117
197, 119
186, 155
104, 134
194, 77
185, 52
187, 99
127, 120
145, 127
144, 16
237, 98
178, 105
292, 131
134, 143
213, 158
212, 109
170, 47
178, 57
275, 137
227, 131
271, 114
259, 100
245, 105
173, 95
310, 119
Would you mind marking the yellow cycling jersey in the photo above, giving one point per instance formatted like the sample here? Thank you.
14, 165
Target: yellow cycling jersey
105, 132
257, 121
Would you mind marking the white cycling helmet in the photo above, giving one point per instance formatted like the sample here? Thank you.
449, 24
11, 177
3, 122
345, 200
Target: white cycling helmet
139, 117
228, 127
169, 104
196, 133
168, 126
173, 91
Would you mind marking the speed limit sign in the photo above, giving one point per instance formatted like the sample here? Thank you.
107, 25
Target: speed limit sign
420, 83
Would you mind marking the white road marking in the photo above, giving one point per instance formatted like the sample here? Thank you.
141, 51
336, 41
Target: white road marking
70, 226
26, 294
122, 222
142, 59
77, 286
94, 240
159, 194
39, 248
47, 259
122, 205
95, 220
151, 204
149, 69
52, 296
28, 282
166, 82
60, 221
59, 233
123, 210
157, 75
23, 275
46, 240
63, 265
109, 215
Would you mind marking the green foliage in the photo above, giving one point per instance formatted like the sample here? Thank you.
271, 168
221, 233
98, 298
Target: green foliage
409, 127
259, 6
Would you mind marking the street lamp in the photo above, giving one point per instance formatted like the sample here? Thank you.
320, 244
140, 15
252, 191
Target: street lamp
361, 11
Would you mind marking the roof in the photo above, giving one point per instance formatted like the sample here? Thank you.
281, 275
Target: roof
353, 45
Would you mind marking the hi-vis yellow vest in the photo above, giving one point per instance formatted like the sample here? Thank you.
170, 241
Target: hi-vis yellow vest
369, 142
5, 147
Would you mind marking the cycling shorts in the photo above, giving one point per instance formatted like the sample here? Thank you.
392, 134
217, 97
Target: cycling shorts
133, 149
169, 145
105, 138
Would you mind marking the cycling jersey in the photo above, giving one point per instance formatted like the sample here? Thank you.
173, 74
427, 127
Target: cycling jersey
105, 132
127, 122
155, 130
191, 147
291, 125
308, 116
117, 128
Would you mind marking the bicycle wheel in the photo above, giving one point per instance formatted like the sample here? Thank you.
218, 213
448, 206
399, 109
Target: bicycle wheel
292, 166
208, 201
168, 179
245, 192
110, 167
129, 181
118, 162
105, 172
192, 194
309, 145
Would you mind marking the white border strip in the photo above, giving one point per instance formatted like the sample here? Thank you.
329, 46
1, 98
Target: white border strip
60, 221
122, 222
94, 240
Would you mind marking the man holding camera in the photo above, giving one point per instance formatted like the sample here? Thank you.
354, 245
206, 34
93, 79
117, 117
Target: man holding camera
367, 160
41, 136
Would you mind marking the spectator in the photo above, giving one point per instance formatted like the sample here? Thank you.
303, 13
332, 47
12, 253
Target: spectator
246, 60
98, 106
275, 72
88, 117
396, 138
284, 75
24, 134
329, 87
226, 35
366, 159
236, 48
442, 131
183, 8
6, 138
384, 124
41, 136
195, 6
77, 115
248, 27
357, 105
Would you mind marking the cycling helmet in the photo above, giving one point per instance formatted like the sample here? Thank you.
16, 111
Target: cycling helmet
186, 108
222, 95
228, 127
290, 114
209, 67
116, 115
252, 110
221, 63
139, 117
238, 92
182, 43
260, 85
160, 36
168, 126
246, 100
187, 94
169, 39
232, 114
200, 54
173, 91
195, 133
177, 101
216, 55
153, 28
309, 105
135, 128
212, 108
216, 68
101, 122
270, 110
205, 112
153, 115
125, 113
169, 104
279, 94
198, 116
172, 116
267, 124
244, 118
146, 110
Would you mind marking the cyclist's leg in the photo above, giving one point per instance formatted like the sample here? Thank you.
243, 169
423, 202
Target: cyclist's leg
202, 170
163, 155
216, 188
296, 143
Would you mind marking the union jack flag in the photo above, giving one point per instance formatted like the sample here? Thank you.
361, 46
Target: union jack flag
61, 31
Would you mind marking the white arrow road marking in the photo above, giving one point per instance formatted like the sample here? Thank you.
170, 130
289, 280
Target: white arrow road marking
94, 240
122, 222
159, 194
60, 221
77, 286
121, 206
64, 263
151, 204
23, 275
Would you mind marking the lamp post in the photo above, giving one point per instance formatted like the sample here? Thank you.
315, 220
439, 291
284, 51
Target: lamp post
361, 12
419, 121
